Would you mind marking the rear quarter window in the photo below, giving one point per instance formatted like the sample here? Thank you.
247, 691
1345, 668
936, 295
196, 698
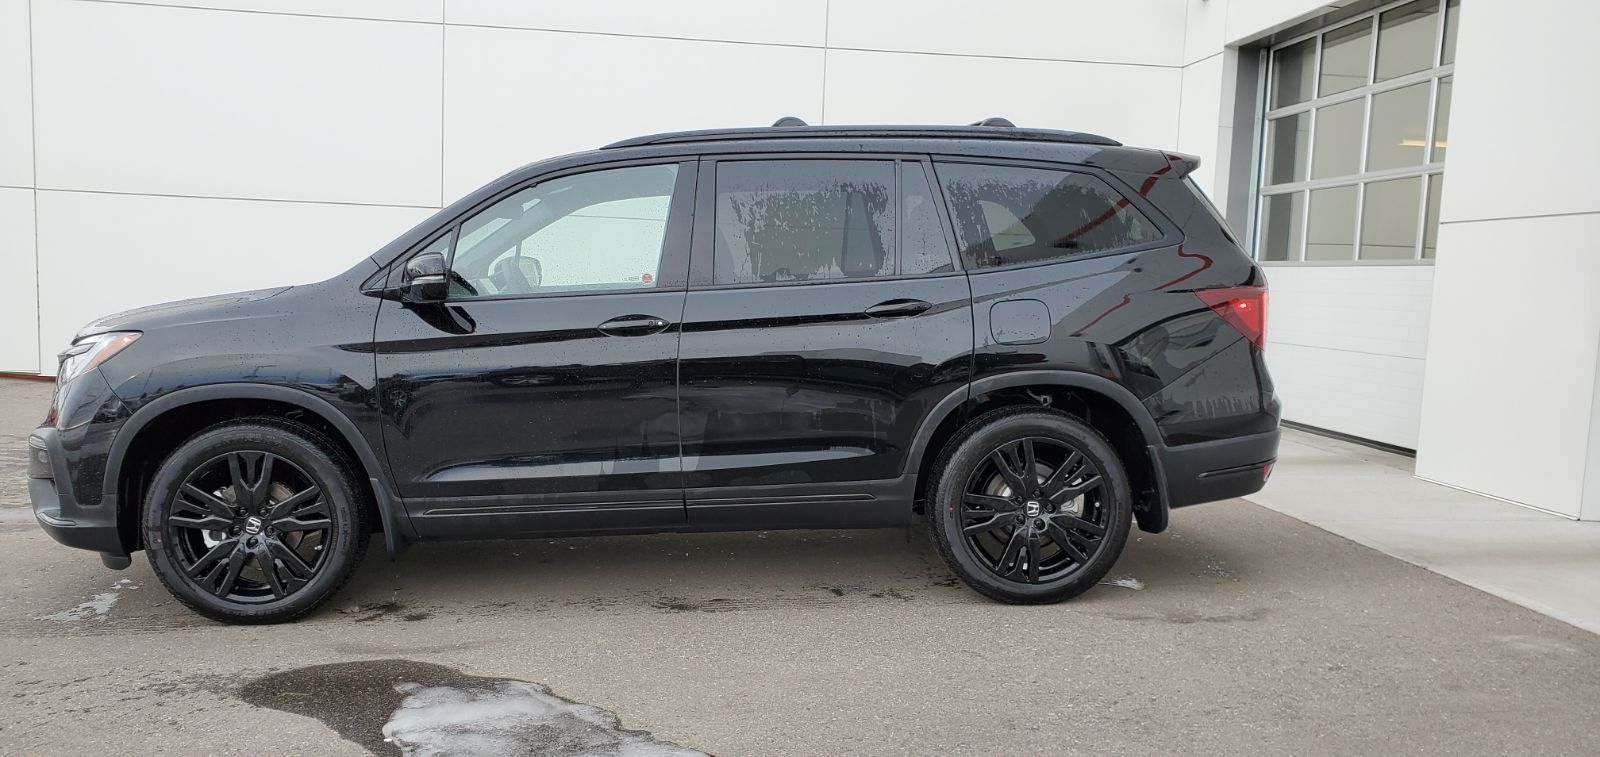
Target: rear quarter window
1012, 215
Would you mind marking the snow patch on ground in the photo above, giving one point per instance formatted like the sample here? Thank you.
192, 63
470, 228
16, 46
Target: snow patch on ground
1126, 582
511, 717
97, 606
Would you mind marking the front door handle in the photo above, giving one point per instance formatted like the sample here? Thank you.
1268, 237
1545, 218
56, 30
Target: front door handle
634, 325
898, 309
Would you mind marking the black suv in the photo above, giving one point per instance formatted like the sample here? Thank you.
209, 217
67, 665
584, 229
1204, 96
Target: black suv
1031, 337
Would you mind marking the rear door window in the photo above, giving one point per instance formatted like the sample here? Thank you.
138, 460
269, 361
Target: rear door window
1012, 215
923, 246
803, 220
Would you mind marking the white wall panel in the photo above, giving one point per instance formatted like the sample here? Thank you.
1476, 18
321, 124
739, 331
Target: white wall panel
1206, 29
134, 98
1137, 105
1524, 110
514, 96
1382, 310
103, 253
16, 96
1131, 31
19, 311
1374, 397
396, 10
1508, 403
1252, 18
1345, 345
1200, 119
793, 22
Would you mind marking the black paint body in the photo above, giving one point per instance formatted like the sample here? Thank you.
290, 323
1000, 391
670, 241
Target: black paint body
756, 406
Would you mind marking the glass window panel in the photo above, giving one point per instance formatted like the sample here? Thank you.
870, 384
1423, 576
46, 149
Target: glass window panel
1336, 150
1406, 36
1389, 219
1430, 224
593, 231
1346, 57
1441, 119
1292, 69
923, 247
1006, 215
1331, 228
1399, 128
1287, 140
1282, 226
1452, 17
803, 220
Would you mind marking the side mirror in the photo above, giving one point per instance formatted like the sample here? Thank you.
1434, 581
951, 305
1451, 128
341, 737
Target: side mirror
424, 279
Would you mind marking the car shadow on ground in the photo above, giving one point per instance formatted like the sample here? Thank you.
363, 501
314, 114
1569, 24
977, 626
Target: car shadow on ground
672, 573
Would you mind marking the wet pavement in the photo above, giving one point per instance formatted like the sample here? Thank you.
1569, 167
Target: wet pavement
1240, 630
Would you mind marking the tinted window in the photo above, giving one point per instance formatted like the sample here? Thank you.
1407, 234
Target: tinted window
1012, 216
594, 231
803, 220
924, 248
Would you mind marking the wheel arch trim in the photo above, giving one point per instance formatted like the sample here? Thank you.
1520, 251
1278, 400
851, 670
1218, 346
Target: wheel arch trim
396, 526
1063, 378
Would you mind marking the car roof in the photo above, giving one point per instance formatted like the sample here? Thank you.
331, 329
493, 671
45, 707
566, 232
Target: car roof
790, 127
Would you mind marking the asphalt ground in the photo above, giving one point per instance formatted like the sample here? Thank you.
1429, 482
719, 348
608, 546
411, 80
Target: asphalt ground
1240, 630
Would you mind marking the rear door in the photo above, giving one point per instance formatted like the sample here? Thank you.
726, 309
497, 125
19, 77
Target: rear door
826, 317
542, 395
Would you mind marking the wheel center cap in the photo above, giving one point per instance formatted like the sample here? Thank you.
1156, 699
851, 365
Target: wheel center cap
1031, 508
252, 525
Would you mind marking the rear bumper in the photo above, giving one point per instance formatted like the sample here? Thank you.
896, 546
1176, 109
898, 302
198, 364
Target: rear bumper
1210, 471
57, 510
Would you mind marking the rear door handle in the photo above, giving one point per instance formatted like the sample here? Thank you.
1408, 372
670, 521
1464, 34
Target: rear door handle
634, 325
898, 309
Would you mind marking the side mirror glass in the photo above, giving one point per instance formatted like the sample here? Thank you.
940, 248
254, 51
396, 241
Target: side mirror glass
424, 279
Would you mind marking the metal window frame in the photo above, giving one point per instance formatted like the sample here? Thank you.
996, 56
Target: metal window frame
1426, 171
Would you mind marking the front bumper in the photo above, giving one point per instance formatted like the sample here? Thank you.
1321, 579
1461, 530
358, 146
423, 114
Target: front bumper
57, 510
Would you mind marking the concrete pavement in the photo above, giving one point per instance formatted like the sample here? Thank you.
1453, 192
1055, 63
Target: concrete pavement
1253, 633
1538, 560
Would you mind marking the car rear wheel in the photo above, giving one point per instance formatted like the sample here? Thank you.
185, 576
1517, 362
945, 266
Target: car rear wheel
254, 521
1030, 505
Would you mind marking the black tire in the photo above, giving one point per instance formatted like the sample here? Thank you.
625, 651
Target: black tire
1064, 545
300, 528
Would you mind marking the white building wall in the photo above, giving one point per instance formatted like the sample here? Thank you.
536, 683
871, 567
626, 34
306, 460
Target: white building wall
156, 150
1509, 401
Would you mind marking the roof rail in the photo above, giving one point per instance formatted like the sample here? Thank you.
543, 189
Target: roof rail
790, 127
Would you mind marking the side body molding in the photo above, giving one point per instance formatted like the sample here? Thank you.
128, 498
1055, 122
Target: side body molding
397, 528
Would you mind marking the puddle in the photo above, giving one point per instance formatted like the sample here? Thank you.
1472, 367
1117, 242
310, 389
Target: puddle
97, 606
1126, 582
422, 709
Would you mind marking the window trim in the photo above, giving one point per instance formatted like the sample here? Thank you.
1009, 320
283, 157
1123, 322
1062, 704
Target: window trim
1170, 233
1428, 171
674, 243
701, 275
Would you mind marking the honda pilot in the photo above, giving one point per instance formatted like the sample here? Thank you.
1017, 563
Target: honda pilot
1033, 339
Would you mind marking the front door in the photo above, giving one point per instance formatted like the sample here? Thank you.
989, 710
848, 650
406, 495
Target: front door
541, 396
825, 320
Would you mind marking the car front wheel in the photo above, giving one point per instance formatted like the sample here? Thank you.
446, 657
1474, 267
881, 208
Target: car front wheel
1030, 505
254, 521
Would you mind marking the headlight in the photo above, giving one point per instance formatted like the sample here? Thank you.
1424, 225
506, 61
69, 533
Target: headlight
90, 351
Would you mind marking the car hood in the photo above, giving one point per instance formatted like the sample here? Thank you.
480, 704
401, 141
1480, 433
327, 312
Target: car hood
199, 309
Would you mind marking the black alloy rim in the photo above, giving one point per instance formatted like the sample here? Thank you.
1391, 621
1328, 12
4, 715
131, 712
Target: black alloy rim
250, 527
1034, 510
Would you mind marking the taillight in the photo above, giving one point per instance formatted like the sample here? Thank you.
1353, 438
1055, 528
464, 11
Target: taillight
1244, 308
